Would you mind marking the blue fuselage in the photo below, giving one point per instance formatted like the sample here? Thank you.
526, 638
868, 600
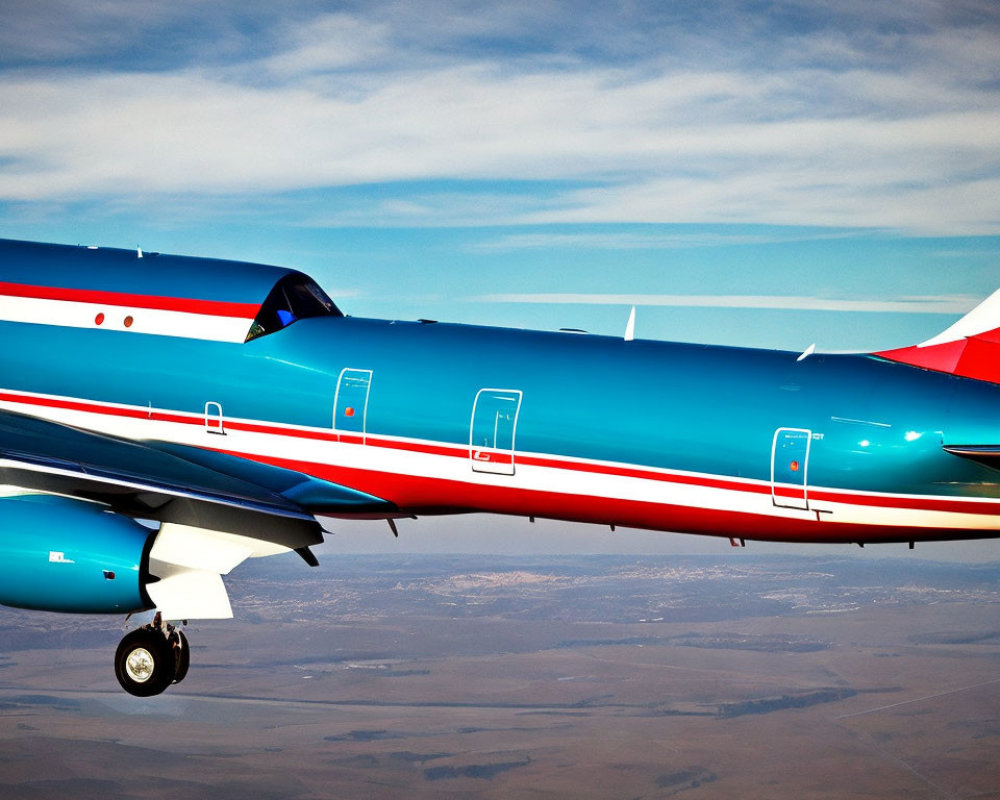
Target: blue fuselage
860, 431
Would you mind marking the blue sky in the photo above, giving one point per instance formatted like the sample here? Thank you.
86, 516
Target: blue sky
542, 164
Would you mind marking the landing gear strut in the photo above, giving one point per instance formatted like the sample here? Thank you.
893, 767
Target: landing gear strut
152, 657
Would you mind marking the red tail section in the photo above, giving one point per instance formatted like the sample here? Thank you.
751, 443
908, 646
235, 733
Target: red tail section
969, 348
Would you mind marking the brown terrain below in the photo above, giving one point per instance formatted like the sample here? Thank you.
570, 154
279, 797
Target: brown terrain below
535, 677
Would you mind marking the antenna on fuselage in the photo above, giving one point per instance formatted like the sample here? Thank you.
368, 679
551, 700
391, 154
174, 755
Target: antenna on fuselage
630, 326
138, 251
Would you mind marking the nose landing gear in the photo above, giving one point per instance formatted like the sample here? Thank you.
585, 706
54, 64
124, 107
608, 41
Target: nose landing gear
151, 658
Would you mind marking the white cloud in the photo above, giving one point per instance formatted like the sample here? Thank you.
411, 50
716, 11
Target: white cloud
915, 147
959, 304
329, 42
644, 240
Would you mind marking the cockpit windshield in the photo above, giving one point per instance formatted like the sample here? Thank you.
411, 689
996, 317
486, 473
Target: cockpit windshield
294, 297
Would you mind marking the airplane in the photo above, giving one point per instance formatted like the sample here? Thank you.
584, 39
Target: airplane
163, 418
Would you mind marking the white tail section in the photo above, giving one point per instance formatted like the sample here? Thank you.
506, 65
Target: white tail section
970, 348
983, 318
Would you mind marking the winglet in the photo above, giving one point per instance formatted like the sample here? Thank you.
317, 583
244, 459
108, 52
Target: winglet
630, 327
970, 348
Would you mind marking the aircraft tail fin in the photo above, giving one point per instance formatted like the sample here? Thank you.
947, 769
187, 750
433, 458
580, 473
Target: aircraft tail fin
970, 348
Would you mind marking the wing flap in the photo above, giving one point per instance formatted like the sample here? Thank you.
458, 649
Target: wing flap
191, 594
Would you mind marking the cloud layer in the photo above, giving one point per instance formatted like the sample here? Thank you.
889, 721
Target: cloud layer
860, 115
903, 305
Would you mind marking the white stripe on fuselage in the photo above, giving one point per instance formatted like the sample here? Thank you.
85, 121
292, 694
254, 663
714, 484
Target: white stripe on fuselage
568, 476
74, 314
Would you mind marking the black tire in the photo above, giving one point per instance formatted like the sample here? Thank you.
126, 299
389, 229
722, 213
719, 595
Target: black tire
144, 662
182, 655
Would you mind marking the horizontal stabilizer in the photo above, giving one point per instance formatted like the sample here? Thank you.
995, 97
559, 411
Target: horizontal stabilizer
970, 348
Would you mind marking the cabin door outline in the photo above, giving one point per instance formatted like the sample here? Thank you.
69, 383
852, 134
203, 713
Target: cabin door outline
350, 403
790, 468
493, 429
213, 418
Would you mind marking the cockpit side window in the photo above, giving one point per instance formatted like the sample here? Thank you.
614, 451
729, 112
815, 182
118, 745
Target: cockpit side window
294, 297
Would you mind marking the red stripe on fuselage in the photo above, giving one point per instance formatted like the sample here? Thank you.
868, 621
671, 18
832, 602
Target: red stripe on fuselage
213, 308
74, 405
416, 494
709, 481
961, 506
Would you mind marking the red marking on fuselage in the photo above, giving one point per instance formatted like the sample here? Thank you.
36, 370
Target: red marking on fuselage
930, 503
977, 356
214, 308
435, 495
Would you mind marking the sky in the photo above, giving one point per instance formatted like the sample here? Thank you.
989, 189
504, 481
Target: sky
770, 174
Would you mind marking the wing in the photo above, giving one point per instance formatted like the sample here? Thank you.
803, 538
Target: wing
174, 483
216, 510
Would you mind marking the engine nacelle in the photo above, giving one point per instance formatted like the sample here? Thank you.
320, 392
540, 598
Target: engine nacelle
60, 554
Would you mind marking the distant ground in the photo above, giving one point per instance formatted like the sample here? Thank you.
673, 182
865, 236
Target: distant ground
540, 677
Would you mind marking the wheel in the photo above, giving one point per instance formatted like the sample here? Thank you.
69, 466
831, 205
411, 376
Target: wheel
144, 662
182, 655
